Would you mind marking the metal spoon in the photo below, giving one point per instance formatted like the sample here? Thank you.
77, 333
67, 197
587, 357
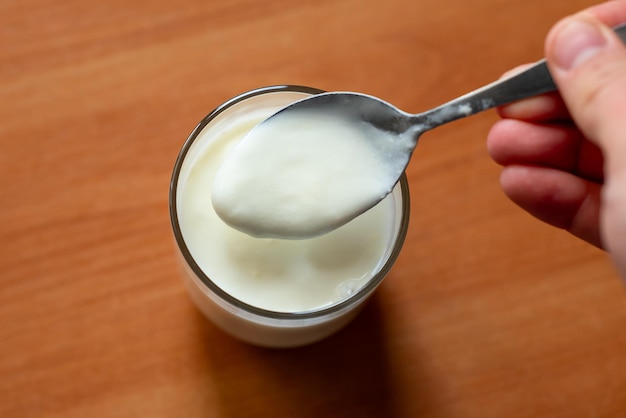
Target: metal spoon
394, 133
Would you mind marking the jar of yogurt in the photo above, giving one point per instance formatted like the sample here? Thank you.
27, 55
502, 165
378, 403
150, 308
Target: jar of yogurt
273, 292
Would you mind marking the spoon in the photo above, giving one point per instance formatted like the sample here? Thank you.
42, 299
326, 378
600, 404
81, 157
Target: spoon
391, 132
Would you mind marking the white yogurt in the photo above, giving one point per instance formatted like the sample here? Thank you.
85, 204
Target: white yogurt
300, 176
277, 274
266, 291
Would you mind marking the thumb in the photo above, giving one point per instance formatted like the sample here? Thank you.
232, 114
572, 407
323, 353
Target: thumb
588, 63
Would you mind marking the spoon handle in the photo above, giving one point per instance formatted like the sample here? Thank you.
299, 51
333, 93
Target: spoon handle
533, 81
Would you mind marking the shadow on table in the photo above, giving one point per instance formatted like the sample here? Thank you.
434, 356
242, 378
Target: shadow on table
346, 375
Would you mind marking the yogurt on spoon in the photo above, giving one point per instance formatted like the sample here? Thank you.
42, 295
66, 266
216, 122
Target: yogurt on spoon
301, 176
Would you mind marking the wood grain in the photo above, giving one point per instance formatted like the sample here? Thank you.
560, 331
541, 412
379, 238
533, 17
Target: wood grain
487, 313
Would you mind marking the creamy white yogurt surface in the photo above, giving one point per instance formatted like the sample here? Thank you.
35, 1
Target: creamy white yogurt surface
283, 275
300, 176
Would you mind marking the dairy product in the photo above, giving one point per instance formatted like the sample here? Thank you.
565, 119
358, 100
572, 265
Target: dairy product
300, 175
277, 274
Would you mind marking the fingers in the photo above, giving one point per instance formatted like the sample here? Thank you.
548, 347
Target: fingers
588, 63
552, 145
556, 197
547, 107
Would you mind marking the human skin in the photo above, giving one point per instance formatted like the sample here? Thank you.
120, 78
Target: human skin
564, 154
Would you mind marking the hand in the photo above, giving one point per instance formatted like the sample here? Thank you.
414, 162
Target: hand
564, 155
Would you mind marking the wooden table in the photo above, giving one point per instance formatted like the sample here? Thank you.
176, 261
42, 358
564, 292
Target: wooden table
488, 313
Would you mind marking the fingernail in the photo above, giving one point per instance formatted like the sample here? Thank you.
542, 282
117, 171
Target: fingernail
514, 71
578, 41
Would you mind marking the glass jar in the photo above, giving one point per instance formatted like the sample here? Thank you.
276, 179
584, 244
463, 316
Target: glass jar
246, 321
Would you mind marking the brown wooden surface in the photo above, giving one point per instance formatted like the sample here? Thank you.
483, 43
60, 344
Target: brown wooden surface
487, 313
